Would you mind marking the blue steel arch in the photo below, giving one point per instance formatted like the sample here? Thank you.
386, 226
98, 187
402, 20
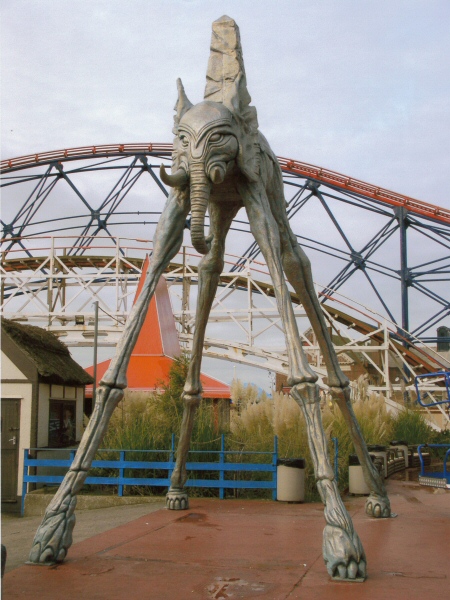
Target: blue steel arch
29, 183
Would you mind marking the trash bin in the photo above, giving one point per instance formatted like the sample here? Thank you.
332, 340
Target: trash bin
381, 452
356, 482
403, 446
291, 479
391, 454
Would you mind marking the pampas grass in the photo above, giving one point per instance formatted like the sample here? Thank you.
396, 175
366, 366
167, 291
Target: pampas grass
374, 421
147, 421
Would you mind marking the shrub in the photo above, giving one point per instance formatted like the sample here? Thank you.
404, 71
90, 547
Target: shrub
410, 425
146, 421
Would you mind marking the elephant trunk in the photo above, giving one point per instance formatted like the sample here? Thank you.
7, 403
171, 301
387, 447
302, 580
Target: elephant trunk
200, 190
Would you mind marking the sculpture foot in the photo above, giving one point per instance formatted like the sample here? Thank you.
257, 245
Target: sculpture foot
177, 499
343, 554
378, 507
54, 536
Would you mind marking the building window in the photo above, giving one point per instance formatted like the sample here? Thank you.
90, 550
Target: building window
61, 427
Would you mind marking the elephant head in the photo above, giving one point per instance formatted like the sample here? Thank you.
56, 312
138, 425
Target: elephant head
205, 150
217, 134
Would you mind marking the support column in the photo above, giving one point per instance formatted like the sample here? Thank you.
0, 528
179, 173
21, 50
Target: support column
50, 283
402, 218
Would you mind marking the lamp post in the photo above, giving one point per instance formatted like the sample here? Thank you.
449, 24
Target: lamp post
94, 387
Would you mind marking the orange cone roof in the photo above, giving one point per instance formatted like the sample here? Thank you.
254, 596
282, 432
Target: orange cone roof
155, 349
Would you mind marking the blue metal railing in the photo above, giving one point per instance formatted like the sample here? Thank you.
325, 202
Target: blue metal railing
444, 474
221, 466
446, 377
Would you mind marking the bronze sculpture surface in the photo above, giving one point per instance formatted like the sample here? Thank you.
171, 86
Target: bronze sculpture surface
221, 163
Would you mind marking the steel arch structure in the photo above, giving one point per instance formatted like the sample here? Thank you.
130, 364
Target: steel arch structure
360, 232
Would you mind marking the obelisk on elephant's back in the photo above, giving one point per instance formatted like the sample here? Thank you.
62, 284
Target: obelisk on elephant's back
226, 83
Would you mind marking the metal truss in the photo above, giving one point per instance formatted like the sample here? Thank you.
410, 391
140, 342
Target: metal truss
54, 286
375, 245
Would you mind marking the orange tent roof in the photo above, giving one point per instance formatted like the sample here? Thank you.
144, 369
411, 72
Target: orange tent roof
155, 349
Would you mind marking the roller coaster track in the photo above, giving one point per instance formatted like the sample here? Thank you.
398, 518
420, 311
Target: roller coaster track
419, 358
55, 290
288, 165
413, 277
437, 213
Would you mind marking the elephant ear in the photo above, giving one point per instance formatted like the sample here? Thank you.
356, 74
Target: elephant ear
226, 83
182, 105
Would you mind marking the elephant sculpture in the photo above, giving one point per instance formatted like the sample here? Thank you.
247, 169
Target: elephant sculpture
221, 163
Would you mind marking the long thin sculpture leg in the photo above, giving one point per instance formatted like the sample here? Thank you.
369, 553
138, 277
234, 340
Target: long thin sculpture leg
297, 267
54, 535
377, 504
342, 550
210, 268
298, 271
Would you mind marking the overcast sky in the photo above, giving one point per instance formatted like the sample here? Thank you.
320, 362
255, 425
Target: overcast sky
360, 87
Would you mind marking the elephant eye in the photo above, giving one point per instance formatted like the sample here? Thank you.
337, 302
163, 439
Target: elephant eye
184, 140
216, 137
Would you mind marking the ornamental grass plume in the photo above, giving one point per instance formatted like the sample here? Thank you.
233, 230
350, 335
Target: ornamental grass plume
146, 421
375, 422
257, 421
251, 423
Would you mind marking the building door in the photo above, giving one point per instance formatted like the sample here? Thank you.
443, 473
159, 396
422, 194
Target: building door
10, 448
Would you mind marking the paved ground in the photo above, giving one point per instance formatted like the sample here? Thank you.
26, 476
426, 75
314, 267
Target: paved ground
18, 532
244, 549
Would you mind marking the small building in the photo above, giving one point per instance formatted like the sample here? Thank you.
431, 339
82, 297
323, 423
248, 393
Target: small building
42, 396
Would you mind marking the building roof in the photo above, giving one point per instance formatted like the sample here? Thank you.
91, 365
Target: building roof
156, 348
51, 357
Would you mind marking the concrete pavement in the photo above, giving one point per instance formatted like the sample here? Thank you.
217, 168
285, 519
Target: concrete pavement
250, 549
18, 532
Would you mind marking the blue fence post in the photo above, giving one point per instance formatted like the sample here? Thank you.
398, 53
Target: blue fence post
422, 464
24, 483
121, 473
274, 465
336, 459
222, 464
446, 474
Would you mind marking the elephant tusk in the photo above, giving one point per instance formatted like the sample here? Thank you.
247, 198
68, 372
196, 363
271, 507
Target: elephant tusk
177, 179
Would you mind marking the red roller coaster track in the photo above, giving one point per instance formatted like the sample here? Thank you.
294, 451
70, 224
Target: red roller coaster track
343, 182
